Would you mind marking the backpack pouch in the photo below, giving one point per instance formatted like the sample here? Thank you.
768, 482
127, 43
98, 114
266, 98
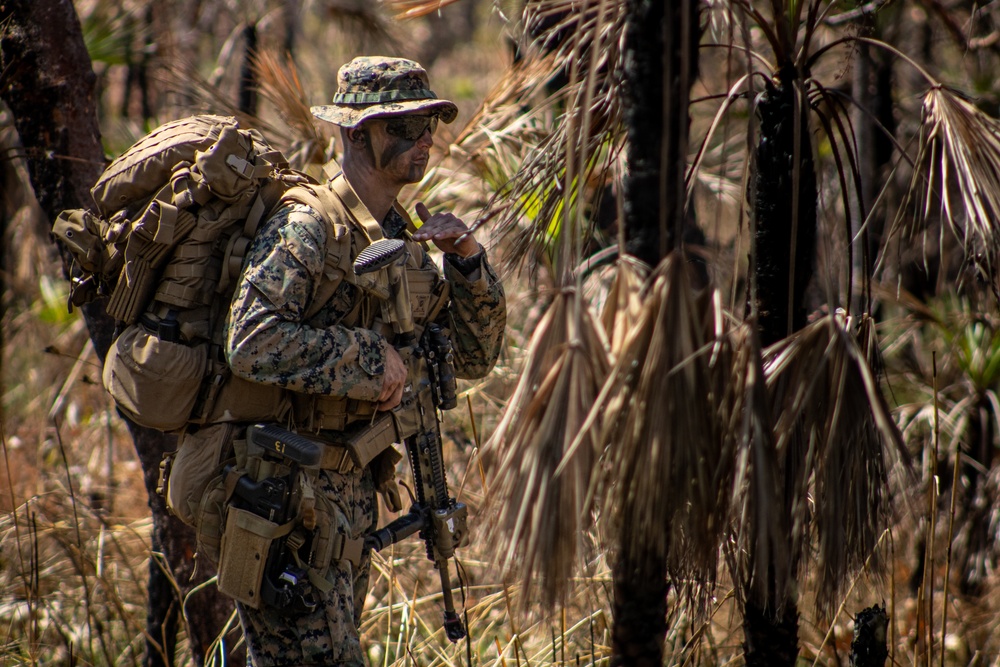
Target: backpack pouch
154, 382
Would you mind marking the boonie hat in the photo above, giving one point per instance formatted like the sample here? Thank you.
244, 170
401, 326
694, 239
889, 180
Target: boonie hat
379, 87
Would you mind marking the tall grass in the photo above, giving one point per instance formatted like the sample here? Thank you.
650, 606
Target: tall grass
74, 546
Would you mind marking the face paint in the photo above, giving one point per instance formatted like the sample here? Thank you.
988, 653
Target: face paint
394, 147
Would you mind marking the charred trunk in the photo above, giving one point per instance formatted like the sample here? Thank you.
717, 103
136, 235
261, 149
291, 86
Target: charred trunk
770, 635
782, 261
783, 212
661, 61
248, 76
868, 648
640, 607
47, 82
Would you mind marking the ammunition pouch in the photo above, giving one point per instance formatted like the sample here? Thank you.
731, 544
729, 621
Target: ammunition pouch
315, 412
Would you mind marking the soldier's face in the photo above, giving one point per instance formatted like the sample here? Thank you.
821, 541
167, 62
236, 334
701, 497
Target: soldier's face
400, 147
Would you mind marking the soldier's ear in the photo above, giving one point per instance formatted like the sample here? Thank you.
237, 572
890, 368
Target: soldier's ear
357, 135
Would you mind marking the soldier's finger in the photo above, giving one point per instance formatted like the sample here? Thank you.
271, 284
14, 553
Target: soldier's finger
423, 211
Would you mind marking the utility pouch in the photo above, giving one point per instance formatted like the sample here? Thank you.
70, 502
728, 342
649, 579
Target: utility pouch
366, 440
153, 379
196, 463
271, 519
246, 546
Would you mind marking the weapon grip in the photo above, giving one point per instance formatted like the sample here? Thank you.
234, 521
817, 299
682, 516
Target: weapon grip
289, 445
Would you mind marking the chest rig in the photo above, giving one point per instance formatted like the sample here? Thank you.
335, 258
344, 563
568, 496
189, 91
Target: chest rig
352, 229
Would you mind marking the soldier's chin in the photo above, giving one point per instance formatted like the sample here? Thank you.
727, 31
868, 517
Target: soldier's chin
417, 172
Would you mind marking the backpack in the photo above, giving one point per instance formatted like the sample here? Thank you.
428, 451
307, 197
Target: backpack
173, 218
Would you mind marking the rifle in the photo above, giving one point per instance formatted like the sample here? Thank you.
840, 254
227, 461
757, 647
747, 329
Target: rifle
440, 519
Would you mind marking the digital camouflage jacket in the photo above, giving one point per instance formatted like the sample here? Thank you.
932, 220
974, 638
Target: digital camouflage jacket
272, 339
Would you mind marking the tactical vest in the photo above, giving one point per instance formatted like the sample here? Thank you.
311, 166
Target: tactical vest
352, 229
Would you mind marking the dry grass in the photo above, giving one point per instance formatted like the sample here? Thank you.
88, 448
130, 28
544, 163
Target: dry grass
74, 530
75, 552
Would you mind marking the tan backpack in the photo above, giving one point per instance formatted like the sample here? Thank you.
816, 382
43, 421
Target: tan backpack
174, 217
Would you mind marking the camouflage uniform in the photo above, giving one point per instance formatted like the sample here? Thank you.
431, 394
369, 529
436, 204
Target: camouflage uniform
269, 341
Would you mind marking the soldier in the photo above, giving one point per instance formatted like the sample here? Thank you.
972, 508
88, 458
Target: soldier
300, 320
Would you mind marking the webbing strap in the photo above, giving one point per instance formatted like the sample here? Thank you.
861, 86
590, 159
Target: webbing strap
361, 214
346, 548
187, 271
182, 296
193, 251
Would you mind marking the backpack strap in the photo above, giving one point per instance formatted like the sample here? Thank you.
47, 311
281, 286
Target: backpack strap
339, 260
369, 225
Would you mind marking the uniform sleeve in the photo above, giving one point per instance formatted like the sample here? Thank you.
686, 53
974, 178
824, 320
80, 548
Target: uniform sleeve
476, 317
267, 340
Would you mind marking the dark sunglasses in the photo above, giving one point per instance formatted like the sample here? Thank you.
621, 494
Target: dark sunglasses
410, 128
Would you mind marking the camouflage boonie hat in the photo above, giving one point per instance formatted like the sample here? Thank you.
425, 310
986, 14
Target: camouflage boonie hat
377, 87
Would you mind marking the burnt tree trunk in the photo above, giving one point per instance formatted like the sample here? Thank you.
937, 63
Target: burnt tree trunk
783, 213
47, 81
661, 63
782, 262
248, 77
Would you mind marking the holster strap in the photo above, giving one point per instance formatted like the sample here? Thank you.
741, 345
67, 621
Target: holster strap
346, 548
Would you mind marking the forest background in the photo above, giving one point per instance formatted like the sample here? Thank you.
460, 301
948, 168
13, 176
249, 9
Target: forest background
902, 244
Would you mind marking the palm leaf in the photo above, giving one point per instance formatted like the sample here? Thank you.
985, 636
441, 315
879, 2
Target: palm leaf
759, 555
834, 438
539, 489
623, 305
546, 148
958, 166
672, 465
309, 140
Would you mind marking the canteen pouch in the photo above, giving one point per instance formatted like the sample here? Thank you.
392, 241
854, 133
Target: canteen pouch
198, 461
153, 381
243, 561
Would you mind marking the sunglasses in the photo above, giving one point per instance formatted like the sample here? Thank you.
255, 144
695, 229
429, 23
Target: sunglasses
410, 128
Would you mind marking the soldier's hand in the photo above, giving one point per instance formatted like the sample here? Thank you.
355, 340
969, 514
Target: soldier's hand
445, 230
393, 380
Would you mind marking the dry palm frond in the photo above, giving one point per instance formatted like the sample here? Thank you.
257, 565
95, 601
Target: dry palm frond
759, 556
670, 428
834, 437
624, 304
310, 140
959, 154
412, 9
539, 489
551, 126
